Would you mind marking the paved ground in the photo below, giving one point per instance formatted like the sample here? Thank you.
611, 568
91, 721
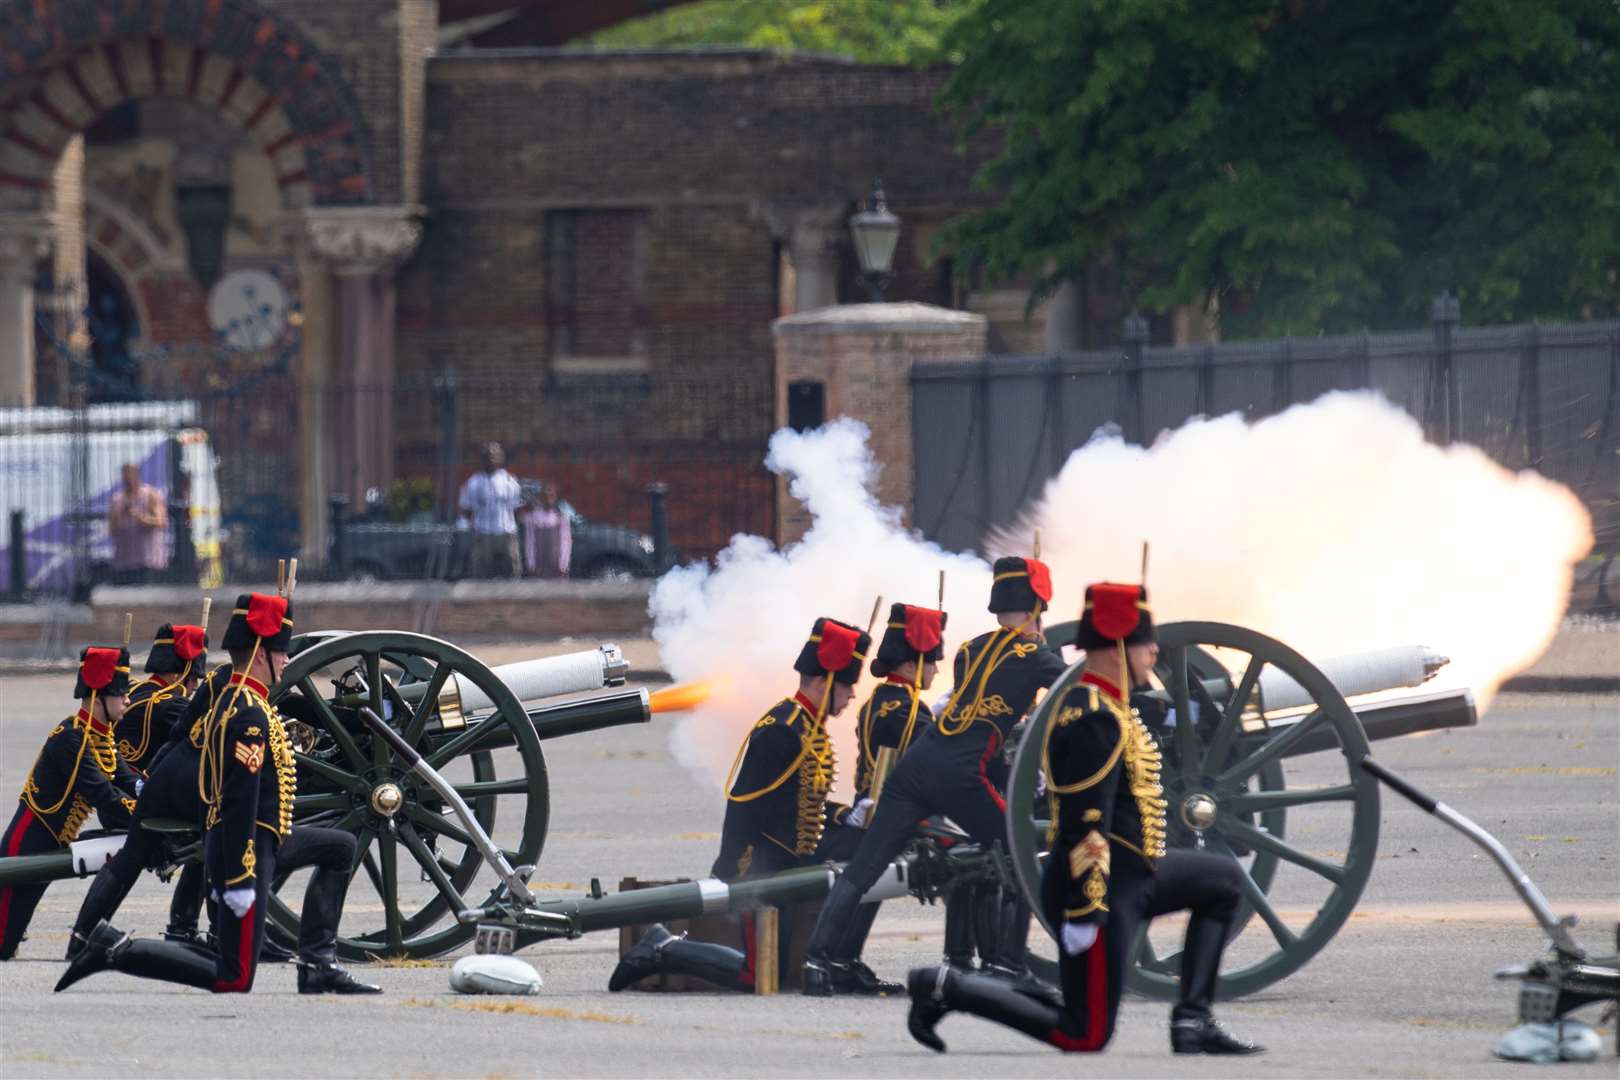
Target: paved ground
1403, 990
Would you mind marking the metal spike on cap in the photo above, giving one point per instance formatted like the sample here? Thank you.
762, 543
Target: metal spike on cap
872, 620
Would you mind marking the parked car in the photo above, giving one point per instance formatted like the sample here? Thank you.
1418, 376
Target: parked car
377, 549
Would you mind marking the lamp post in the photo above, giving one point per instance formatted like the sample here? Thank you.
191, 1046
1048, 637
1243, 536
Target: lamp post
875, 231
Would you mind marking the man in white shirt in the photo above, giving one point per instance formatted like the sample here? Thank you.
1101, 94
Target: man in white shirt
487, 502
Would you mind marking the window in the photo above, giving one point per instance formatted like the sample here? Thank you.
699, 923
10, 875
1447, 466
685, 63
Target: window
806, 404
595, 266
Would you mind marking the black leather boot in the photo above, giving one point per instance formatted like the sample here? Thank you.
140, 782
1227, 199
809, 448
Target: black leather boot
272, 953
101, 900
328, 978
185, 906
660, 952
1010, 956
108, 948
1205, 1035
859, 979
936, 991
959, 929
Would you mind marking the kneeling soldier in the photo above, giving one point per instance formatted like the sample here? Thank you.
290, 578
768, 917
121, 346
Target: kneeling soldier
247, 781
778, 816
77, 770
1109, 872
907, 659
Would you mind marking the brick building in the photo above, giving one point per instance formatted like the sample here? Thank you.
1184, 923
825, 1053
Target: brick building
403, 242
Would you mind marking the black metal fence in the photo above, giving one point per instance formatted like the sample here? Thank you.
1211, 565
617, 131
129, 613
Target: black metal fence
1534, 396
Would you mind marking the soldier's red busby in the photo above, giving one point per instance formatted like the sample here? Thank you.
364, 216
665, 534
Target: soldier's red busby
266, 620
178, 649
102, 670
1020, 584
1114, 614
835, 649
912, 633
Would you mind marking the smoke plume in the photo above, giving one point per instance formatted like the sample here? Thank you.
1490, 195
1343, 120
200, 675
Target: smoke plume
1333, 526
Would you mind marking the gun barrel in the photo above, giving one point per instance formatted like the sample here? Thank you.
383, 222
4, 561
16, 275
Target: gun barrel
688, 899
1354, 675
530, 680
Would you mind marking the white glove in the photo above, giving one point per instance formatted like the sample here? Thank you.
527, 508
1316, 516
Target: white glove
240, 900
139, 784
1040, 781
1078, 937
857, 813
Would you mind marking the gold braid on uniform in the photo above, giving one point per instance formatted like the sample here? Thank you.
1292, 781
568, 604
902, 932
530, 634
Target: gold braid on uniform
208, 733
817, 766
130, 751
1090, 858
1142, 764
286, 769
79, 809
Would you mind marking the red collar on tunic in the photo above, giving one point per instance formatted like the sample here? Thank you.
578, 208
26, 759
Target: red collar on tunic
95, 725
811, 707
1107, 687
898, 681
238, 679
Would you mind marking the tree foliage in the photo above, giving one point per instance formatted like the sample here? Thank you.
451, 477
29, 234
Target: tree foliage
871, 31
1317, 166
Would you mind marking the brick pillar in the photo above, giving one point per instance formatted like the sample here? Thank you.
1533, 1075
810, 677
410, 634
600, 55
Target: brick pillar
861, 356
24, 240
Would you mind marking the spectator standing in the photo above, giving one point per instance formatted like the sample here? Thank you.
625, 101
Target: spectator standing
549, 538
487, 502
137, 520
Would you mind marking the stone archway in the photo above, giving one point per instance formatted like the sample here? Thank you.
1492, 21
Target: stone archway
64, 63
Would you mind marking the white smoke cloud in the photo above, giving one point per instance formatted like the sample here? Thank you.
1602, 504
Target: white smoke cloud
1333, 526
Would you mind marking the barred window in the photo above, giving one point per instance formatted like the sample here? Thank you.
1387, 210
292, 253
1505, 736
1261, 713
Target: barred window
595, 271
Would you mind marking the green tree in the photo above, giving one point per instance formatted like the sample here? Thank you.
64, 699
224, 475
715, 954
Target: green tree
871, 31
1316, 166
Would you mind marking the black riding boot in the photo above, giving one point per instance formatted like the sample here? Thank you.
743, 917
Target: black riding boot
107, 891
937, 991
959, 929
660, 952
110, 949
185, 907
1193, 1028
824, 953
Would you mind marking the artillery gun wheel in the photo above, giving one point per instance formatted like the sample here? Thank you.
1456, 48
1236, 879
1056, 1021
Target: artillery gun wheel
349, 780
1226, 771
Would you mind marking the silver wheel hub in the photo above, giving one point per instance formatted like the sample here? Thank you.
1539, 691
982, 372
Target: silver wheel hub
387, 798
1199, 810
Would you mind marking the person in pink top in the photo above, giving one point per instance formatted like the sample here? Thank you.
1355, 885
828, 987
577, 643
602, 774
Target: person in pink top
548, 538
137, 521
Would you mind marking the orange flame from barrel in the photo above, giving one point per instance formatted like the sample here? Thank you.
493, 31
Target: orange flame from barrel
682, 697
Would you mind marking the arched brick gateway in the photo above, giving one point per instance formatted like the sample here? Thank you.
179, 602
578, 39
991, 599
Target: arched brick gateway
64, 62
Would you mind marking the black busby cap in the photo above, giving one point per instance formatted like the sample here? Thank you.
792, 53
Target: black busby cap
261, 618
1114, 613
911, 632
835, 649
1020, 584
103, 669
177, 646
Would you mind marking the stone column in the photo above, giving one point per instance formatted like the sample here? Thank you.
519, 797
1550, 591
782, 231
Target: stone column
862, 354
815, 240
24, 240
351, 257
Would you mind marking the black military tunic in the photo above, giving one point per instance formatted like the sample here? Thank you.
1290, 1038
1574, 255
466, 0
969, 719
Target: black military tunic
778, 815
1109, 865
77, 771
891, 717
155, 707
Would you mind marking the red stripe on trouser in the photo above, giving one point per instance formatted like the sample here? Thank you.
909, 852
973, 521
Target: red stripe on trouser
246, 957
13, 845
984, 775
750, 941
1096, 1035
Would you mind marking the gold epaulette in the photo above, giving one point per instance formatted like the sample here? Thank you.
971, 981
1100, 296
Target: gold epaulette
817, 766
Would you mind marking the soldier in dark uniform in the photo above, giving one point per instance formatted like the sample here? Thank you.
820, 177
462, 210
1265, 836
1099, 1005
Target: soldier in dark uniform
907, 658
947, 771
247, 780
778, 816
77, 770
170, 792
1109, 871
175, 665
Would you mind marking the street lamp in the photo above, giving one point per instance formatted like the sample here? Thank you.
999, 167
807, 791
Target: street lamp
876, 232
